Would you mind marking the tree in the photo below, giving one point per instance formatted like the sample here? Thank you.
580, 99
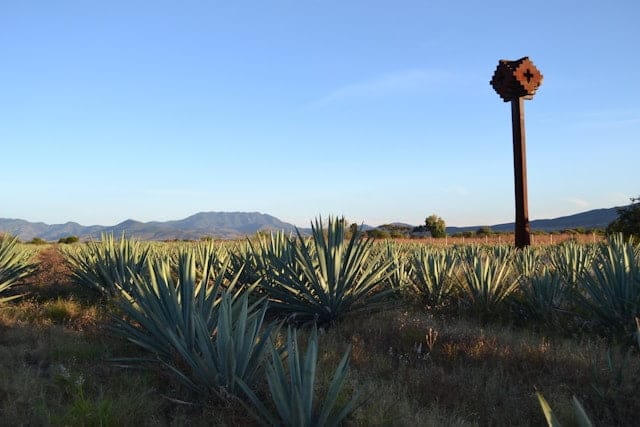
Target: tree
378, 233
484, 231
628, 221
69, 239
436, 226
37, 241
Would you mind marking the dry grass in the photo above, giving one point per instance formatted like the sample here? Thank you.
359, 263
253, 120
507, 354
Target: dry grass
508, 238
55, 369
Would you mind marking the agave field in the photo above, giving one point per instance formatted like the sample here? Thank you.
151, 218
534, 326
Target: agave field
326, 329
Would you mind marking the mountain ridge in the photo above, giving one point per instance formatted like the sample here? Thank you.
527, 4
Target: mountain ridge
232, 225
224, 225
594, 218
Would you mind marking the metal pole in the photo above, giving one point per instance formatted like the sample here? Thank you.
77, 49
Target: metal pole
523, 232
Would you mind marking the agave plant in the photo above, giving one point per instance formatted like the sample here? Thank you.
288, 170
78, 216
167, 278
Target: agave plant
235, 350
14, 265
580, 415
612, 290
542, 295
206, 254
326, 277
401, 268
107, 265
433, 273
203, 330
294, 395
157, 307
467, 253
527, 262
272, 255
502, 251
572, 261
487, 282
243, 258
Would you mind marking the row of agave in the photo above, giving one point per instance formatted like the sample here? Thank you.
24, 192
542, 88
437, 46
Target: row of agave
191, 311
322, 278
200, 310
597, 283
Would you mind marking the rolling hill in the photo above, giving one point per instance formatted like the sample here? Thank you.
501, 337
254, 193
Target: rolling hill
596, 218
231, 225
223, 225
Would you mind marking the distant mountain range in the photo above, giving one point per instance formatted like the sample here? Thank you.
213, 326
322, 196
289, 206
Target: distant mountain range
222, 225
596, 218
231, 225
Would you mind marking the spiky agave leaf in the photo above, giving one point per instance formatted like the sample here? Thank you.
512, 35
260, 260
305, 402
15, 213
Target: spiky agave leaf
572, 261
552, 421
208, 253
292, 388
433, 273
580, 415
199, 326
401, 267
242, 257
542, 295
14, 264
612, 290
235, 350
272, 256
326, 278
156, 306
108, 265
527, 262
487, 282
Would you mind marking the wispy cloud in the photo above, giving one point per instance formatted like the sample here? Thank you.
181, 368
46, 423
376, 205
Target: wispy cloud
619, 199
578, 202
606, 119
612, 118
391, 84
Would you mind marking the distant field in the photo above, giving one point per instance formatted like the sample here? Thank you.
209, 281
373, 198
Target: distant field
536, 239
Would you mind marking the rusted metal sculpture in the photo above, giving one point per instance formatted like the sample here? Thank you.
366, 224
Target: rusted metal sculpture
516, 81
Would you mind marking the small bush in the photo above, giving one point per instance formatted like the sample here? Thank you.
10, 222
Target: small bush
69, 240
37, 241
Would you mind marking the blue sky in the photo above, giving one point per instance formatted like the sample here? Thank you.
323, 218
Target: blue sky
377, 110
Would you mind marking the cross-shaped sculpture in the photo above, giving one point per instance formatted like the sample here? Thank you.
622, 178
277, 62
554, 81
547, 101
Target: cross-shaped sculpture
516, 81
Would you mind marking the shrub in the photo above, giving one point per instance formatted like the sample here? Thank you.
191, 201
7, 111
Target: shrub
377, 233
484, 231
69, 239
628, 221
37, 241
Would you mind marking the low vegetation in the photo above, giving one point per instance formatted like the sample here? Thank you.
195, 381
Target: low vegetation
14, 265
377, 333
628, 221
